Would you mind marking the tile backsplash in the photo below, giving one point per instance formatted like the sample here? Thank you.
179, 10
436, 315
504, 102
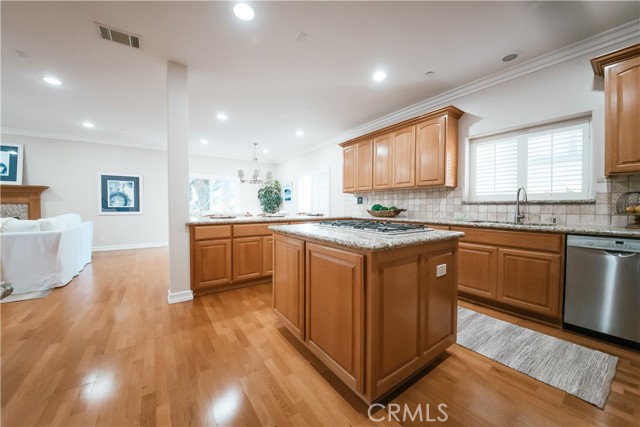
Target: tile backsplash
447, 203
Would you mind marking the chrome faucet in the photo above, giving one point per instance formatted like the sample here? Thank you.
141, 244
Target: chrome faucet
519, 215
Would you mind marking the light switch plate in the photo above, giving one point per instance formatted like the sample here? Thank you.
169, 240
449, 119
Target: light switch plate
441, 270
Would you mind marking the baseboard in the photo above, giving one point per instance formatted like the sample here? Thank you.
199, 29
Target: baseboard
127, 247
175, 297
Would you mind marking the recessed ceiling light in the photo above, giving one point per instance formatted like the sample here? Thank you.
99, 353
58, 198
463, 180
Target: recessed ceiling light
52, 81
510, 57
299, 133
379, 76
244, 11
88, 125
265, 151
204, 142
222, 116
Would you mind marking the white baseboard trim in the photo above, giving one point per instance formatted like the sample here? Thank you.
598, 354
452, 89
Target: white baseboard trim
181, 296
127, 247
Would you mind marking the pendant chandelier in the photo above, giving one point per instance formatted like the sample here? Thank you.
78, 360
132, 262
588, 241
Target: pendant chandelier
254, 172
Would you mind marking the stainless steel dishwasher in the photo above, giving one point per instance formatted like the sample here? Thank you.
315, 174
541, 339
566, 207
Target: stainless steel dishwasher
602, 287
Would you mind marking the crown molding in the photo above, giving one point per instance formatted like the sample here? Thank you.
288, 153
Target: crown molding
627, 32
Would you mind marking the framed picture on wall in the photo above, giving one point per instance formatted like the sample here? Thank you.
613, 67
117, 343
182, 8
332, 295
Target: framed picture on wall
288, 192
11, 160
119, 194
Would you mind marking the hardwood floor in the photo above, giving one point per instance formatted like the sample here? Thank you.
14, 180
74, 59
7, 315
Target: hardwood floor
107, 349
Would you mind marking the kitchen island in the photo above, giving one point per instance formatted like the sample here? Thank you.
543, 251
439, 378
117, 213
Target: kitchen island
374, 308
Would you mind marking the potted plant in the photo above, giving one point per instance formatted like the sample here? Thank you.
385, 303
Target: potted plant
270, 196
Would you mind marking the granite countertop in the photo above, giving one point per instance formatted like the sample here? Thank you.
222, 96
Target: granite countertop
364, 240
256, 219
597, 230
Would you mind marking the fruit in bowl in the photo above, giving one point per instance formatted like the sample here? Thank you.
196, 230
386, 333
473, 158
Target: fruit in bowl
382, 211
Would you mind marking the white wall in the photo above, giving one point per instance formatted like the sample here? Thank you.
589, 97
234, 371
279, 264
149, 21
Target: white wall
325, 157
247, 193
70, 169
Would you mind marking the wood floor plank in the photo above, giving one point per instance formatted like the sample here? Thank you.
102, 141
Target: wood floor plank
108, 350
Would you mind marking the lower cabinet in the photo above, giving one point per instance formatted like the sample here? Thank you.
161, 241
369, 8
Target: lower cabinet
373, 318
211, 274
515, 270
335, 311
288, 283
247, 258
267, 256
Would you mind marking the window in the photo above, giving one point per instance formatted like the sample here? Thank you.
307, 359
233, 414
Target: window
212, 194
313, 192
552, 162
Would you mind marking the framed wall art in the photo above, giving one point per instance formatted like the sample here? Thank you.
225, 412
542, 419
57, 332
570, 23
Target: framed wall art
119, 194
11, 160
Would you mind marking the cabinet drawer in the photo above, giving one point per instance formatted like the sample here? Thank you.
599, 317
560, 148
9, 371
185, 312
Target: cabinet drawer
251, 230
517, 239
204, 232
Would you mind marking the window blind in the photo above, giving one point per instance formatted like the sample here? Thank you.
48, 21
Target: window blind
313, 192
551, 162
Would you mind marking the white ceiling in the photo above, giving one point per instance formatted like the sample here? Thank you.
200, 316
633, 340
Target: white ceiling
266, 82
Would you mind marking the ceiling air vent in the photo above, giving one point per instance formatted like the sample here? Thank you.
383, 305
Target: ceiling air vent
118, 36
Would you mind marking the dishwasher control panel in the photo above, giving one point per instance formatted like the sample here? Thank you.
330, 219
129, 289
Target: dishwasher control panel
605, 243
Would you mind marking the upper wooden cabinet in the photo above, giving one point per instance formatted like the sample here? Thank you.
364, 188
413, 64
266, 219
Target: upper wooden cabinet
621, 70
382, 162
364, 166
437, 152
404, 154
357, 167
419, 152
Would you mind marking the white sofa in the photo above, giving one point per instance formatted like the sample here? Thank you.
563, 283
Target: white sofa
38, 255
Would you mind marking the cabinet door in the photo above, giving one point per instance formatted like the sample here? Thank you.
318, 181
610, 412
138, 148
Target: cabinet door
349, 169
478, 271
440, 316
430, 152
364, 166
404, 157
212, 263
382, 162
529, 280
622, 93
288, 283
267, 256
247, 258
335, 311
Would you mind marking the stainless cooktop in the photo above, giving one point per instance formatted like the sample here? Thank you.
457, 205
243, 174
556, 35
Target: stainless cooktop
377, 227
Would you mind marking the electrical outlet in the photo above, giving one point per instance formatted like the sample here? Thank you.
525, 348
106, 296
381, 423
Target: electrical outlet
102, 238
441, 270
360, 200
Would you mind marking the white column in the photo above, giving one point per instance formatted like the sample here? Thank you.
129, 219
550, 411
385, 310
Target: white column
178, 175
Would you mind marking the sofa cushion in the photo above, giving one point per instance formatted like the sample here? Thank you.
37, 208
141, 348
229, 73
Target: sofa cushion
72, 219
12, 225
53, 224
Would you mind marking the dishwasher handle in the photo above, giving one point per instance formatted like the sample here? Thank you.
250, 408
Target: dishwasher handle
620, 254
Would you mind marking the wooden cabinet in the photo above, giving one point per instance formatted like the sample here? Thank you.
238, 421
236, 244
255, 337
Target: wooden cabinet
267, 256
373, 318
404, 154
479, 272
418, 152
364, 166
529, 280
349, 169
210, 256
621, 70
515, 270
229, 256
335, 311
357, 167
437, 152
247, 258
288, 283
382, 162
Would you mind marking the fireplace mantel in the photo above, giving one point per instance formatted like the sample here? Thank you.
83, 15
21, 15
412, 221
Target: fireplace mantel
23, 194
